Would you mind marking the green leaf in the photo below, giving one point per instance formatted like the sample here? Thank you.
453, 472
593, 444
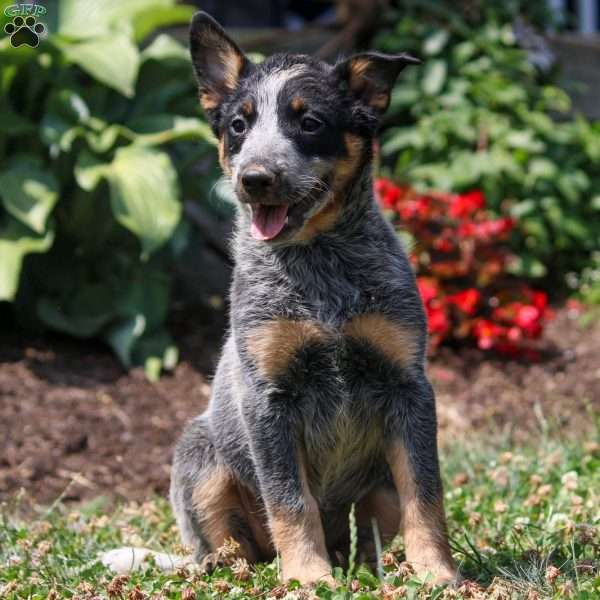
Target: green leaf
82, 315
436, 42
170, 128
434, 77
164, 47
123, 336
156, 352
11, 123
85, 19
112, 59
29, 192
143, 192
153, 17
16, 241
89, 170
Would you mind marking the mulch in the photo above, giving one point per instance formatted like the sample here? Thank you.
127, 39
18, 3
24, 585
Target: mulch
74, 424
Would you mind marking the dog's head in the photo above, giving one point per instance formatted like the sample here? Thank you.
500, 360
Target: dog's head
294, 132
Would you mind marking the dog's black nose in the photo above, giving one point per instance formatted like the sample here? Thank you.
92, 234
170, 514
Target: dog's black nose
257, 181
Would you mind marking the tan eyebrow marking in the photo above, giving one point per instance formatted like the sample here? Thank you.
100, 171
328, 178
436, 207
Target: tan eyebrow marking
298, 103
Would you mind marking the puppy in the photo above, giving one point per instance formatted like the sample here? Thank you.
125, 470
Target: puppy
320, 399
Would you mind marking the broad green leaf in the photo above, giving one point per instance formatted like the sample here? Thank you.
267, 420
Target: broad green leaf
86, 18
16, 241
82, 315
144, 195
112, 59
143, 192
436, 42
164, 47
29, 192
11, 123
146, 294
169, 128
153, 17
89, 170
123, 336
434, 77
156, 352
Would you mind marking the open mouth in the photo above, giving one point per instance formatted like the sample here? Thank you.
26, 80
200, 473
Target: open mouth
268, 220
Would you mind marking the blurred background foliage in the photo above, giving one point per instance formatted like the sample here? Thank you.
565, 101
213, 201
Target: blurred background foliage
102, 140
481, 113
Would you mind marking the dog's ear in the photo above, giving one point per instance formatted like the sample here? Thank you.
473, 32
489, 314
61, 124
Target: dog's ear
370, 76
218, 62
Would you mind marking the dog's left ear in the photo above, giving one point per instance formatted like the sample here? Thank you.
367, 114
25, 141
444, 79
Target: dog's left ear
218, 62
370, 76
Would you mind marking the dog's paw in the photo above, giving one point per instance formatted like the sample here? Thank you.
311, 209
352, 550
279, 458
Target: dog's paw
309, 574
125, 560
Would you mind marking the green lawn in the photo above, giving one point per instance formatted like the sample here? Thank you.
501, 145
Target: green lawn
524, 523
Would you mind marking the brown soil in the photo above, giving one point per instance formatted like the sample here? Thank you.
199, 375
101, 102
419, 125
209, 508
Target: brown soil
72, 422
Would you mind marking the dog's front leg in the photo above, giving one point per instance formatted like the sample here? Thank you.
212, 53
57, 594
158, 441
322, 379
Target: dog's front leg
413, 459
293, 512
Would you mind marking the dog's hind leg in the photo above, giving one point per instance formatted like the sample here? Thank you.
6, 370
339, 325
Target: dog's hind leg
210, 505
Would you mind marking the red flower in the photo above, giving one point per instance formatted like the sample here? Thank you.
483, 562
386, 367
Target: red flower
437, 321
427, 288
464, 205
387, 192
465, 301
528, 319
539, 300
486, 230
416, 208
488, 333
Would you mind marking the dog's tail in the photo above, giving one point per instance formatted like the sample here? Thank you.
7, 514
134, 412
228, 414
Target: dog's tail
124, 560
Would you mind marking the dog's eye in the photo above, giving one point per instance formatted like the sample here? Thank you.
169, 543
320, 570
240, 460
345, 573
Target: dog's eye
238, 126
310, 125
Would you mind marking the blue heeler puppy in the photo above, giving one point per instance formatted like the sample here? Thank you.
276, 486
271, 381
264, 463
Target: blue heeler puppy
320, 399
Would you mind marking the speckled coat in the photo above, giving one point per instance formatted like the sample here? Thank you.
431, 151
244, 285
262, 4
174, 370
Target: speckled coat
320, 399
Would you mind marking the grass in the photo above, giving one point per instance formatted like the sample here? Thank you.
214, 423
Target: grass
524, 523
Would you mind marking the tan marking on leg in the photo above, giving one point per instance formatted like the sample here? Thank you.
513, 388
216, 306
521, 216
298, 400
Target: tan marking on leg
423, 525
275, 343
398, 343
215, 499
344, 171
383, 505
299, 539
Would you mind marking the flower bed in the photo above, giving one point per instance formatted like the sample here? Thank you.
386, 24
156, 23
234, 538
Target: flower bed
462, 260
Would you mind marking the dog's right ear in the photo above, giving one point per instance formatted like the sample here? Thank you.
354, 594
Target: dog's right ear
218, 62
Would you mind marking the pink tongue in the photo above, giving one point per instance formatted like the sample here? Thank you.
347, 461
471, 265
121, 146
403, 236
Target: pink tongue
267, 221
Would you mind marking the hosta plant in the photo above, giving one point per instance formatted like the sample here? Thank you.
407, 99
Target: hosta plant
100, 136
